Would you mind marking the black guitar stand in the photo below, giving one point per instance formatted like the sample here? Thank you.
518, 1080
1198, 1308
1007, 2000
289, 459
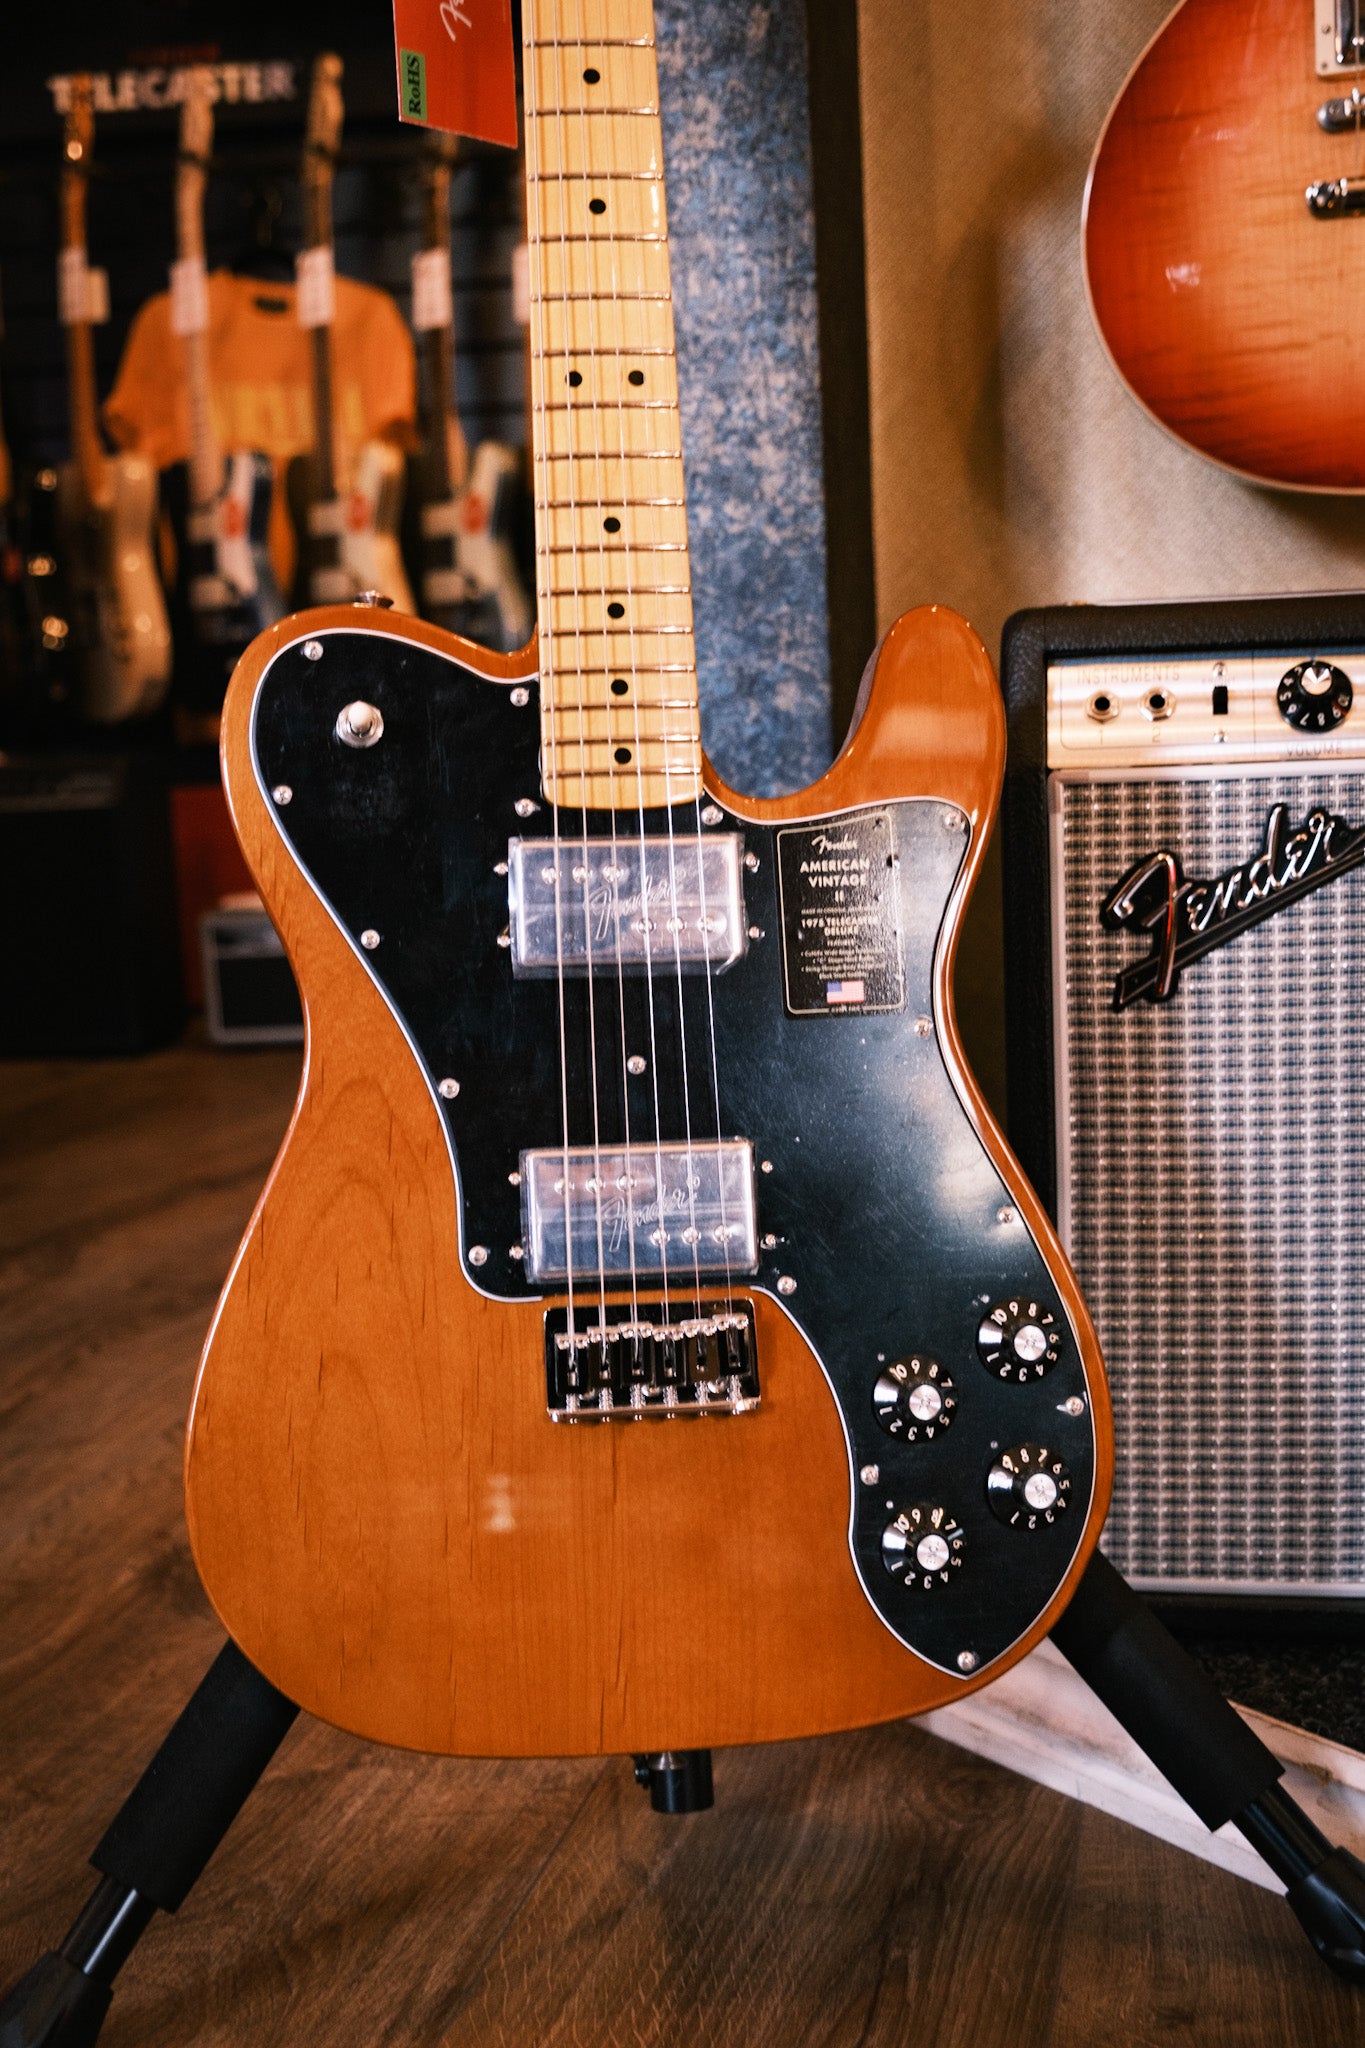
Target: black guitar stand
201, 1776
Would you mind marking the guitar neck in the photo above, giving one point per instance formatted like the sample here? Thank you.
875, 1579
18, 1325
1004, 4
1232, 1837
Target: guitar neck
324, 436
620, 726
440, 429
205, 458
319, 153
87, 449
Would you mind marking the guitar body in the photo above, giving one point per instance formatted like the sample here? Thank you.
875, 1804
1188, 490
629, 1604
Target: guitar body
460, 548
349, 543
387, 1517
118, 614
225, 590
1234, 314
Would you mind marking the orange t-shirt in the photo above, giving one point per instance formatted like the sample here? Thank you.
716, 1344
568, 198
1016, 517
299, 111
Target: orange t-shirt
260, 378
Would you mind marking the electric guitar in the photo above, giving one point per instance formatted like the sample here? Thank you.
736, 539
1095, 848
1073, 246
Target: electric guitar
1221, 252
458, 519
105, 504
645, 1339
346, 527
225, 591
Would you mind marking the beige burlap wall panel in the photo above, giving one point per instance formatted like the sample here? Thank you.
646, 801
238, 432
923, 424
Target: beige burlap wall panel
1010, 465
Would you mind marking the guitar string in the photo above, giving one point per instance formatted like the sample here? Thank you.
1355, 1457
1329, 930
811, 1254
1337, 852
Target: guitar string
615, 905
571, 470
549, 738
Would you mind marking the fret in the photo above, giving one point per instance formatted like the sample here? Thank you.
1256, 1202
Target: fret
582, 20
566, 114
593, 176
636, 669
617, 590
586, 548
592, 42
599, 402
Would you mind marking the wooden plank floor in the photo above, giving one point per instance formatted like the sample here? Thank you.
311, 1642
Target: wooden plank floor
875, 1889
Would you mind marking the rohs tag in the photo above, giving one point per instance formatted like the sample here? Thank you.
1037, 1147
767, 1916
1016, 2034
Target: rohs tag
455, 67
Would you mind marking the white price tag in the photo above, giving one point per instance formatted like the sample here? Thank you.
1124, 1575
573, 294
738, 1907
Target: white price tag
316, 279
73, 288
189, 296
431, 300
521, 285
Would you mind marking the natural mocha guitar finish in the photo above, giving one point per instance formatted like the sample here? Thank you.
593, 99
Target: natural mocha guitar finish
645, 1339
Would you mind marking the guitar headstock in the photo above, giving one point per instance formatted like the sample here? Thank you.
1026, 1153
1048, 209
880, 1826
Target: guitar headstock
78, 141
196, 117
325, 113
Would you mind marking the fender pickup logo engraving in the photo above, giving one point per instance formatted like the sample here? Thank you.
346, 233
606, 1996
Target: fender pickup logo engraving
1187, 919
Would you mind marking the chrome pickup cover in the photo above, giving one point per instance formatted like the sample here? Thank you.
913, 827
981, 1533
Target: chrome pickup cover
657, 1209
646, 905
651, 1361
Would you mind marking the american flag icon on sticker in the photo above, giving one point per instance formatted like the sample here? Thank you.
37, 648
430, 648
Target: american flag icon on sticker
845, 992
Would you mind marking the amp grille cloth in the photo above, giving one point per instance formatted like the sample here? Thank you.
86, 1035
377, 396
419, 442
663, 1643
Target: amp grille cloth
1217, 1196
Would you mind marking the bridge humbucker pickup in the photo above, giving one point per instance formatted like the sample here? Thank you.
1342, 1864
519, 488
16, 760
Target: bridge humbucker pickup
648, 906
673, 1208
651, 1360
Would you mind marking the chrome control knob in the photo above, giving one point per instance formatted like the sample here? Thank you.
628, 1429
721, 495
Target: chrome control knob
923, 1546
914, 1399
360, 724
1019, 1339
1028, 1487
1314, 696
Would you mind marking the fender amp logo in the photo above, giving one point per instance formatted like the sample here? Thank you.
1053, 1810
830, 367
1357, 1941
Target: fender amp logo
1188, 919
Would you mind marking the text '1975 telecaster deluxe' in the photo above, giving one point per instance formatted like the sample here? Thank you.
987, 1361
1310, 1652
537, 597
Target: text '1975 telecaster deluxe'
645, 1339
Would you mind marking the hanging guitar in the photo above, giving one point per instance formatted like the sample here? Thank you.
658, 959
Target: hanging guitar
225, 591
346, 525
645, 1339
1221, 241
458, 517
105, 504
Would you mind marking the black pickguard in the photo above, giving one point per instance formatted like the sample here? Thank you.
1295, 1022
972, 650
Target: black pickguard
881, 1201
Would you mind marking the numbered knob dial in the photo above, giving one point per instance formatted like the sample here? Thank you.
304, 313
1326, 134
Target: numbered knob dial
1028, 1487
923, 1546
1019, 1339
914, 1399
1314, 696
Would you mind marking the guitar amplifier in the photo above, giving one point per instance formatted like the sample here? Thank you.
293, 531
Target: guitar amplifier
1184, 859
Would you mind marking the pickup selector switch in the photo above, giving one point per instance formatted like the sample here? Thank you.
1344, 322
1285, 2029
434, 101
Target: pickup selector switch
1314, 696
1019, 1339
914, 1399
1028, 1487
923, 1546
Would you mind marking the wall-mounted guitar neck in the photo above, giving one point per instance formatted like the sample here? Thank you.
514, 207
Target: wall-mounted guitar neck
459, 514
225, 591
345, 510
106, 504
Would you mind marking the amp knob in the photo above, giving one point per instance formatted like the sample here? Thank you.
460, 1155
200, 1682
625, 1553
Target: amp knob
923, 1546
1314, 696
1028, 1487
914, 1398
1019, 1339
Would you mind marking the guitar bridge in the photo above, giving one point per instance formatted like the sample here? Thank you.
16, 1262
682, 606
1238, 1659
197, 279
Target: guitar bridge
651, 1361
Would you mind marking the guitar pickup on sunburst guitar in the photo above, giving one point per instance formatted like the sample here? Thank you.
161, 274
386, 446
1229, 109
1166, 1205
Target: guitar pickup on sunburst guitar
651, 906
630, 1362
678, 1208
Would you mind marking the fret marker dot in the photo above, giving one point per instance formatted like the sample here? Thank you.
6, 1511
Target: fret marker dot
622, 755
616, 611
597, 206
611, 526
637, 377
575, 377
591, 77
619, 687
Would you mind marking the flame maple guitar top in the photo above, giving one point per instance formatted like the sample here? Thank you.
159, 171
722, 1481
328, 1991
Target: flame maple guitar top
1234, 314
385, 1516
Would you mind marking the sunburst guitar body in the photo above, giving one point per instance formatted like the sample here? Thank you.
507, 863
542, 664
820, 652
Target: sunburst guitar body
1225, 238
645, 1340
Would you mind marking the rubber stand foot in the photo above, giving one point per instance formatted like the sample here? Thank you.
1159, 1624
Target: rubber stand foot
1330, 1903
54, 2006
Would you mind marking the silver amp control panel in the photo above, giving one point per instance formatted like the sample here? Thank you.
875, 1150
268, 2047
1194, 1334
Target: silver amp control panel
1206, 709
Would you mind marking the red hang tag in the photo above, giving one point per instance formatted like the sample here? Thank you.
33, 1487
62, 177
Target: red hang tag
456, 68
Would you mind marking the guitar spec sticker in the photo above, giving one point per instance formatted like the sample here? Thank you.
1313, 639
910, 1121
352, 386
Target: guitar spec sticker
841, 936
